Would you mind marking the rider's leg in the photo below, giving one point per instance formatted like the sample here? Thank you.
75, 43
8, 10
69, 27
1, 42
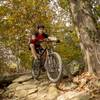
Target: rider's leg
33, 51
43, 57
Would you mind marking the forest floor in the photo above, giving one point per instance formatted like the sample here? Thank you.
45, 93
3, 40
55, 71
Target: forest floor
82, 87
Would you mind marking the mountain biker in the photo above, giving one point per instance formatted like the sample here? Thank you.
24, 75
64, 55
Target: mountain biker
34, 43
35, 38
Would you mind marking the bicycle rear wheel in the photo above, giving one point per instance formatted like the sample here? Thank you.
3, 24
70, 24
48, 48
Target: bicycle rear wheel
35, 69
54, 67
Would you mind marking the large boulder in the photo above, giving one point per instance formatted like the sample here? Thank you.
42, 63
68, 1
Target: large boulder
23, 78
73, 95
52, 92
72, 68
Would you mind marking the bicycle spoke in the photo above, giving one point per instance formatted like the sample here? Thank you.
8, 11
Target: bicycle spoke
35, 69
53, 67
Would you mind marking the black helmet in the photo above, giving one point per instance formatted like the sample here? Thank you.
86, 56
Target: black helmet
40, 26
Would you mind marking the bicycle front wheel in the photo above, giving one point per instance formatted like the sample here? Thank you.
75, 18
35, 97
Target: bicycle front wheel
54, 67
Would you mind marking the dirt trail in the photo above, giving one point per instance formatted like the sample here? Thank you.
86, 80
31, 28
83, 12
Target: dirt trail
25, 88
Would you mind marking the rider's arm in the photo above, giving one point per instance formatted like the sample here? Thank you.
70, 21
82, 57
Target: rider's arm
55, 39
52, 38
32, 39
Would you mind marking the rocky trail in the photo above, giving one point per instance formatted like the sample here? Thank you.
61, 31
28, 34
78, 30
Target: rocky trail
25, 88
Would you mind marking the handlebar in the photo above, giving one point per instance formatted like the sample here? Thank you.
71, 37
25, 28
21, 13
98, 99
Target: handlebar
48, 40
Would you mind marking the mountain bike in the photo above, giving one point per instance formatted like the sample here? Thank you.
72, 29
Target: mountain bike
49, 60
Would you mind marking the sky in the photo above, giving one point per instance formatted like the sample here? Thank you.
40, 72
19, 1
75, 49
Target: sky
61, 13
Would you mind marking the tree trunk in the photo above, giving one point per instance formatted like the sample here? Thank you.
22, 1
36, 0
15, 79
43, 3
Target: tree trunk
87, 33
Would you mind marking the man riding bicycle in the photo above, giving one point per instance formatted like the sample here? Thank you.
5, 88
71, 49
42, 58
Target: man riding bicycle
45, 58
35, 38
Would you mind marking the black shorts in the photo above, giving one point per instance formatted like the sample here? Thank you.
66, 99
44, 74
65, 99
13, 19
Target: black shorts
38, 49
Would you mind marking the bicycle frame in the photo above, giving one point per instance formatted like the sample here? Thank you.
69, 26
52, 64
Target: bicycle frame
47, 50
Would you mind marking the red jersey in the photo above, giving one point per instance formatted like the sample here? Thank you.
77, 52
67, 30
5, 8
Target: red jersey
38, 37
